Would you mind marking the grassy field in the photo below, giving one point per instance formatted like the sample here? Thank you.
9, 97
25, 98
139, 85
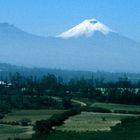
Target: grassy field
85, 126
74, 101
114, 107
126, 131
89, 121
131, 131
7, 131
33, 115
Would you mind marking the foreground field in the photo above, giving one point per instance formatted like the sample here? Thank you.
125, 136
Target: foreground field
8, 131
126, 131
114, 107
33, 115
85, 126
11, 131
88, 121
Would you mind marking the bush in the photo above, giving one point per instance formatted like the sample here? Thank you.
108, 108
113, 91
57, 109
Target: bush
45, 126
17, 139
14, 123
4, 109
96, 109
66, 102
130, 119
120, 111
133, 112
127, 112
10, 123
25, 122
1, 116
22, 122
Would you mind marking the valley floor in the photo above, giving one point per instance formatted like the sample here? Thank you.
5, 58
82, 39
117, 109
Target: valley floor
84, 126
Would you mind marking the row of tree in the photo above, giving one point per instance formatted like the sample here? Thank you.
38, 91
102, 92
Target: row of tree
20, 91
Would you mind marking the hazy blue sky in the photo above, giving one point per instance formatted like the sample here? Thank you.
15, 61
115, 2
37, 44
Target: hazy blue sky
51, 17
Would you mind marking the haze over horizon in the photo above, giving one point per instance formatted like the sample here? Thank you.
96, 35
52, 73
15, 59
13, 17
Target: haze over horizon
79, 35
50, 18
89, 45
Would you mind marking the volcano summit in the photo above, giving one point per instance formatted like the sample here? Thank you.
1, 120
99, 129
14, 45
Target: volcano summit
90, 45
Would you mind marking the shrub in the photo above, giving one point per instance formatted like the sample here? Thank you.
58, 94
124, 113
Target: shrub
133, 112
120, 111
96, 109
127, 112
1, 116
25, 122
45, 126
66, 102
130, 119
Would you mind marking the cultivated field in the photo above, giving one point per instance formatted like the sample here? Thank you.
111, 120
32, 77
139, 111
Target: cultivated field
11, 131
8, 131
129, 131
114, 107
89, 124
33, 115
89, 121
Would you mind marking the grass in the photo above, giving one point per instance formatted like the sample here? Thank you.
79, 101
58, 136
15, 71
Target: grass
74, 101
33, 115
114, 107
85, 126
89, 121
7, 131
86, 101
128, 131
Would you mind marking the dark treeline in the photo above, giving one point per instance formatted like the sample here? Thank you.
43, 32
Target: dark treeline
45, 126
18, 91
7, 69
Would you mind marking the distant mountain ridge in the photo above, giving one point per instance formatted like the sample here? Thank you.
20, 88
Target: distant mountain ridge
91, 48
7, 70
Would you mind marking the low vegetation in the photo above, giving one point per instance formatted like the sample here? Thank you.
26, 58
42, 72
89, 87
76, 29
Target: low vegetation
129, 129
19, 123
32, 115
95, 109
76, 109
45, 126
89, 121
119, 108
9, 131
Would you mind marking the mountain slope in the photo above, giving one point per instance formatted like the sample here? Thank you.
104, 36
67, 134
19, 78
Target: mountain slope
90, 45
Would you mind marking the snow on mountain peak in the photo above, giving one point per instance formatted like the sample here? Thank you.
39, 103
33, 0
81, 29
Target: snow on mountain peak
86, 28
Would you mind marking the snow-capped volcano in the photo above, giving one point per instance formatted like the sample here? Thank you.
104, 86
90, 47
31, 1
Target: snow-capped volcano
90, 46
86, 28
